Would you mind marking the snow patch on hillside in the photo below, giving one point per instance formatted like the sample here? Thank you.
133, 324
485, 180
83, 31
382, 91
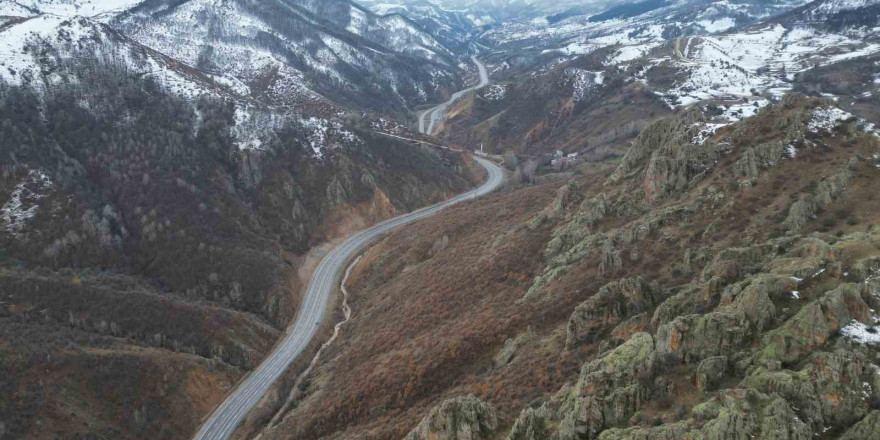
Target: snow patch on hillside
584, 82
495, 92
719, 25
324, 135
24, 201
827, 119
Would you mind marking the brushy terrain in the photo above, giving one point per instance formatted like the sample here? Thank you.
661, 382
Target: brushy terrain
718, 288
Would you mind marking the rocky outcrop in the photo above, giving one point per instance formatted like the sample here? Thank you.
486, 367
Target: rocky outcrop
531, 425
754, 159
666, 133
609, 390
733, 414
814, 324
566, 196
868, 427
459, 418
710, 372
745, 311
804, 209
692, 338
612, 304
833, 389
673, 168
511, 345
610, 260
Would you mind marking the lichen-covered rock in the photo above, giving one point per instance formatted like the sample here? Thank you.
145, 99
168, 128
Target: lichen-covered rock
710, 372
805, 208
459, 418
531, 425
692, 338
593, 209
811, 327
609, 389
732, 264
867, 428
757, 158
801, 212
567, 196
689, 300
673, 168
511, 345
746, 414
671, 431
668, 132
611, 260
744, 312
832, 390
653, 221
630, 326
613, 303
740, 414
751, 298
805, 258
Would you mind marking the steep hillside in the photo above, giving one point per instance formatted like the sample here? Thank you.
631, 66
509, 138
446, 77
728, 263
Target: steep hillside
581, 106
287, 51
451, 27
154, 223
719, 287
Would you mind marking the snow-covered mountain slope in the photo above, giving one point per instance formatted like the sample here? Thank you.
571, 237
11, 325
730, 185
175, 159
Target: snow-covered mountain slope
452, 28
89, 8
394, 31
47, 50
647, 20
278, 50
47, 53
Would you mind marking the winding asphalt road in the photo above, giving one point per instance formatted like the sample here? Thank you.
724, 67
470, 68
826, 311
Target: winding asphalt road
435, 114
226, 418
